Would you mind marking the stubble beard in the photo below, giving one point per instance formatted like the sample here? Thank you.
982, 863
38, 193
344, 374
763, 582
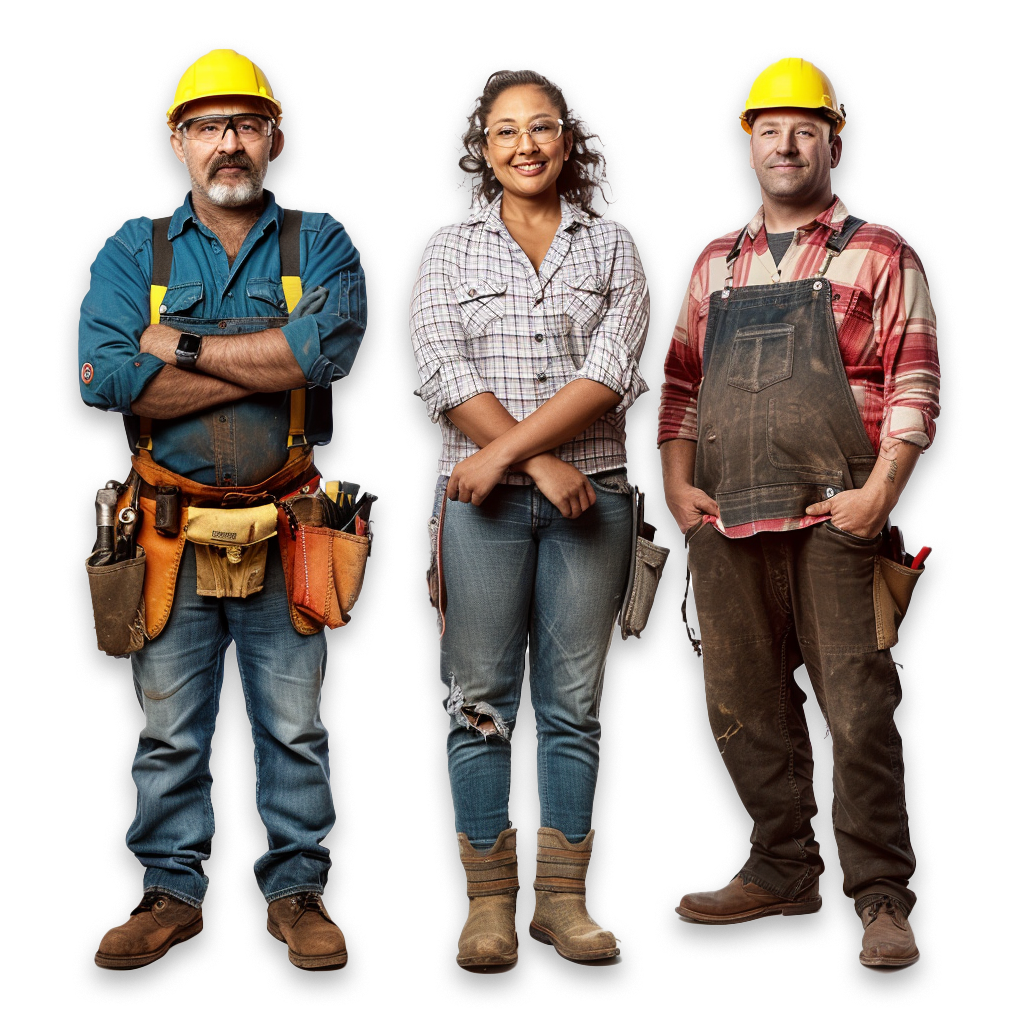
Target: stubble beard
222, 194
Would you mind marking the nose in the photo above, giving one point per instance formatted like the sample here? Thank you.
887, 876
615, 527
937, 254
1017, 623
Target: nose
526, 143
229, 142
787, 141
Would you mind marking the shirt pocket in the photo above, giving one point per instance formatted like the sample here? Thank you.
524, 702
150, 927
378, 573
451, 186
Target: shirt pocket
481, 302
268, 293
853, 310
181, 298
585, 301
761, 357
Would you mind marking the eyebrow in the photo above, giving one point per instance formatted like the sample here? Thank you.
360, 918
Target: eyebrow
532, 117
799, 124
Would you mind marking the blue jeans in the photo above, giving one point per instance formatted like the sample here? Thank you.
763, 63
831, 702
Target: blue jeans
517, 572
178, 679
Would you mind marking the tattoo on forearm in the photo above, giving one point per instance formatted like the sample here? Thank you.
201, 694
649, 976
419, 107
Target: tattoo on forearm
891, 475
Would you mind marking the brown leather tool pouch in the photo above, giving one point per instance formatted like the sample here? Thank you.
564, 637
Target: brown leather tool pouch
324, 570
893, 586
118, 604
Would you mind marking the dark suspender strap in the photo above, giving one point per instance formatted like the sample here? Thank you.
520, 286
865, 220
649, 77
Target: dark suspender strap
839, 240
288, 241
163, 252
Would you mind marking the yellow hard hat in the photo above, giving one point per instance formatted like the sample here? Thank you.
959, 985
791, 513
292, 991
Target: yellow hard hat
792, 82
220, 73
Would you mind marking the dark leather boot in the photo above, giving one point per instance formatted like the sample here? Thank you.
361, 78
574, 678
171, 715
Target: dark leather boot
745, 901
157, 923
888, 944
314, 941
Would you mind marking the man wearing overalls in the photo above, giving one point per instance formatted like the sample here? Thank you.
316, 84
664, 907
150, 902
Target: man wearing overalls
217, 333
801, 386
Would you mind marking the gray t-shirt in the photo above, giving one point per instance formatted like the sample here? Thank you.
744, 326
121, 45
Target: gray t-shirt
778, 244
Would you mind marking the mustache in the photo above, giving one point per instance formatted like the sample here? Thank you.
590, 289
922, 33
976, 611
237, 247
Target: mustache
237, 160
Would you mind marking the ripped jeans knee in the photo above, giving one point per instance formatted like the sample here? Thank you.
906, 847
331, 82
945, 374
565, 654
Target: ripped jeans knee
476, 715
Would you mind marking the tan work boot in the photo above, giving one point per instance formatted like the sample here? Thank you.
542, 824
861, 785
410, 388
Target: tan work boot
745, 901
561, 919
157, 923
314, 941
888, 938
489, 937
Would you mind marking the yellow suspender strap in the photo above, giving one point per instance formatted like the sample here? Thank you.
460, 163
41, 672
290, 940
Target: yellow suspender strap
291, 284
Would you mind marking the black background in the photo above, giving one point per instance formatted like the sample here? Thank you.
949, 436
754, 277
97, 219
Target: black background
374, 150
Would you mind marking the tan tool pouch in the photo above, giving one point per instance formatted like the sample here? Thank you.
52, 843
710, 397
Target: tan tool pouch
231, 548
118, 604
646, 566
893, 586
324, 568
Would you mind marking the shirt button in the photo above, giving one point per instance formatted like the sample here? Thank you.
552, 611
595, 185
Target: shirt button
231, 295
538, 337
282, 304
472, 293
542, 376
223, 419
216, 248
222, 324
163, 309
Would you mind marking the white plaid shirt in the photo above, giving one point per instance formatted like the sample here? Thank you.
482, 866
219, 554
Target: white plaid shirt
484, 320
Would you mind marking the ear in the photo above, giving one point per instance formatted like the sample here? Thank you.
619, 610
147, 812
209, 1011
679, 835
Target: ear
568, 145
176, 145
837, 150
276, 144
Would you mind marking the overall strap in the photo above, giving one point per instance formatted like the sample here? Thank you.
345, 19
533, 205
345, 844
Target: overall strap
839, 240
734, 255
291, 285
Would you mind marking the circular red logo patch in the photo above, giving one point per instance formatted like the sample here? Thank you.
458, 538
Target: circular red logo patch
86, 373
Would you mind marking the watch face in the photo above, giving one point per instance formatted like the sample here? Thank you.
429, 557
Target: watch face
187, 351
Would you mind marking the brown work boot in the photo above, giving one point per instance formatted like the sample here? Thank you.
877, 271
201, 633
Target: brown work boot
745, 901
157, 923
489, 938
561, 919
314, 941
888, 938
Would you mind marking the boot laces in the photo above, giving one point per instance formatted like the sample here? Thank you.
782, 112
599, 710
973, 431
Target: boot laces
886, 905
308, 901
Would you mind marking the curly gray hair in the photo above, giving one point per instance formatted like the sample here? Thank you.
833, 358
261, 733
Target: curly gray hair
585, 179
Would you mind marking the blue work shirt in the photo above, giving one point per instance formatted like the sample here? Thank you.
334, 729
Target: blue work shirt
242, 442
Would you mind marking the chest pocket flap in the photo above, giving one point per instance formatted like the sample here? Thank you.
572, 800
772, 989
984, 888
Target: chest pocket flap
481, 302
265, 289
585, 302
591, 283
180, 298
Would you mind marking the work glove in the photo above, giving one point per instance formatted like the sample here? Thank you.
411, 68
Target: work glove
310, 303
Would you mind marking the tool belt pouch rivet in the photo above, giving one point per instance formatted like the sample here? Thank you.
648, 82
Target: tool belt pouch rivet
646, 566
893, 586
118, 604
231, 548
326, 566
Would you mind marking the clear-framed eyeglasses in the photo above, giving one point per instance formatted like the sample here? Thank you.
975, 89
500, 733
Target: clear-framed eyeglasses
507, 136
213, 127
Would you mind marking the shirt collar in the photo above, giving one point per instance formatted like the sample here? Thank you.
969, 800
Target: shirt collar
832, 217
186, 214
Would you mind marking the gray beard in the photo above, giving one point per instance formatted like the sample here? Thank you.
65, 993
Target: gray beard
234, 195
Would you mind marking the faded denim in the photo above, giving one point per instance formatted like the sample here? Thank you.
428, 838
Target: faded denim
178, 680
519, 574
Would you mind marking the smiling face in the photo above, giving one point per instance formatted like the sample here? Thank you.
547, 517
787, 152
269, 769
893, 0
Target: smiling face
226, 171
528, 169
791, 154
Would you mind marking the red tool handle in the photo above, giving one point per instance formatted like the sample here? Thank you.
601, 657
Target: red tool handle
919, 558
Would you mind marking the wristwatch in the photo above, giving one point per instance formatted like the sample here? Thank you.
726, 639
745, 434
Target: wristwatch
187, 351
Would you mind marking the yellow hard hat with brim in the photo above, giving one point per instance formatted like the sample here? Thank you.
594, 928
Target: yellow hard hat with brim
220, 73
792, 82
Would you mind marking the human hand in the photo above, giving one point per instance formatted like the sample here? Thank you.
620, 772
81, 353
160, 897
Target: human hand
563, 485
474, 478
689, 505
861, 511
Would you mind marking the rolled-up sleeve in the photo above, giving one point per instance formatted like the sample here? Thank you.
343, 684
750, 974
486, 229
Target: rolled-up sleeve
906, 337
447, 377
615, 347
325, 344
112, 373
